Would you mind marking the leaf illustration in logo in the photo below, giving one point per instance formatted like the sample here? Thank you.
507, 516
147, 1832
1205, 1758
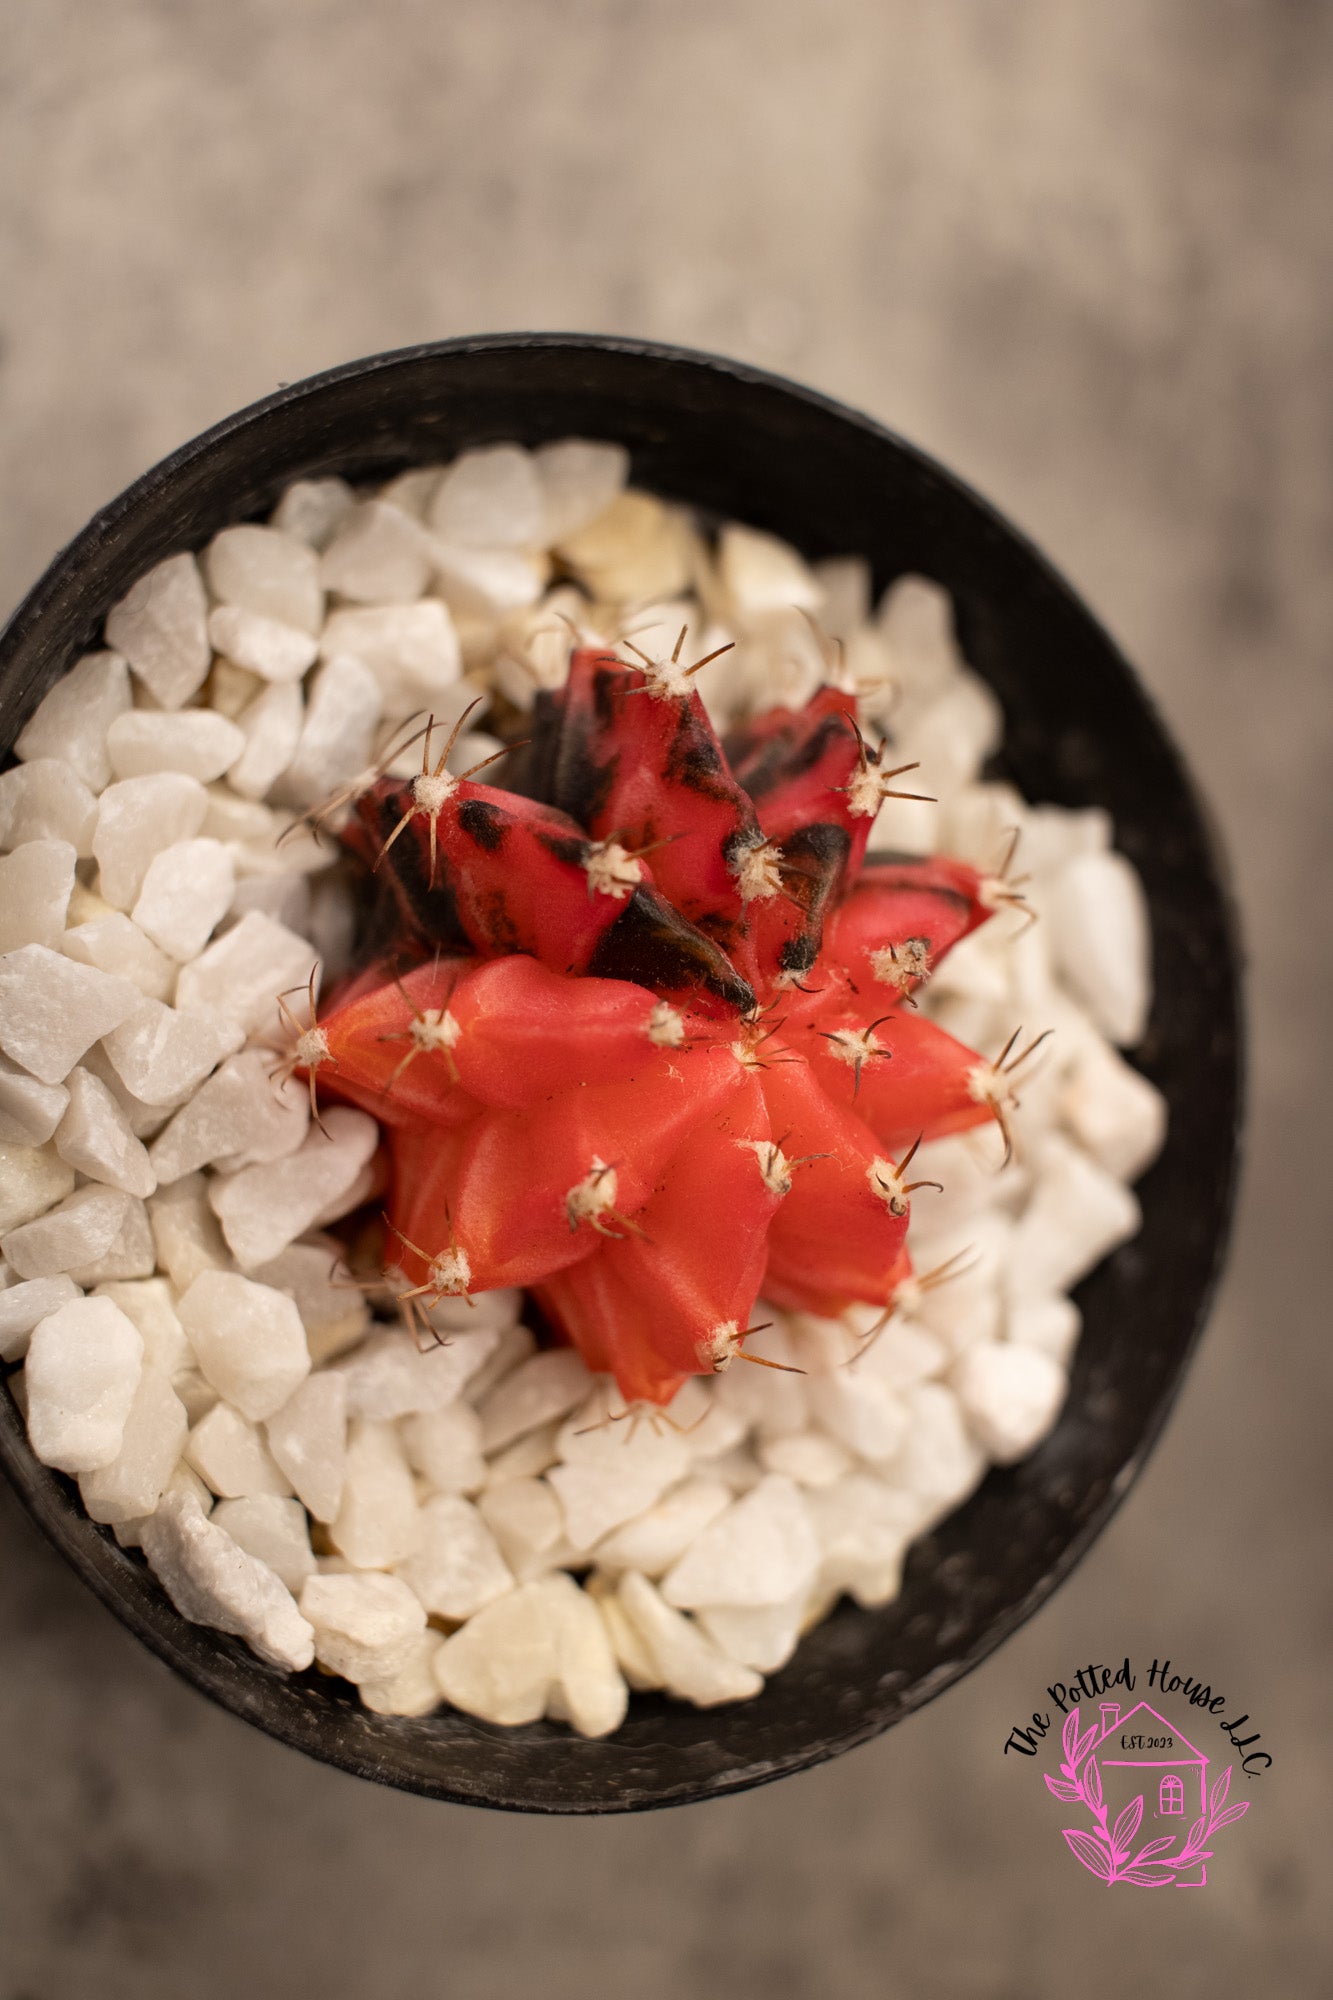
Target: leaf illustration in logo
1152, 1847
1147, 1878
1090, 1852
1127, 1825
1063, 1790
1086, 1742
1196, 1836
1092, 1785
1069, 1736
1232, 1812
1217, 1798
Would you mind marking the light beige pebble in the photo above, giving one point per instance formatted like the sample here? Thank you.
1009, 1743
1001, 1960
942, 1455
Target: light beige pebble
274, 1530
95, 1139
1010, 1396
765, 1399
160, 1055
411, 491
389, 1376
308, 1440
864, 1529
248, 1340
631, 1655
533, 1453
32, 1180
52, 1009
29, 1113
1051, 1325
367, 1625
846, 583
457, 1567
762, 1550
23, 1303
1077, 1214
1115, 1114
657, 1538
1100, 941
82, 1371
413, 651
150, 1303
136, 819
444, 1446
378, 1523
74, 720
131, 1485
268, 648
490, 499
486, 584
263, 570
311, 509
939, 1461
212, 1581
242, 973
587, 1688
579, 479
915, 617
35, 885
236, 1115
186, 892
197, 741
246, 821
760, 573
230, 688
333, 1311
199, 1397
338, 733
738, 1469
760, 1636
634, 551
114, 944
262, 1209
500, 1665
75, 1232
860, 1411
46, 800
613, 1472
271, 727
186, 1236
526, 1519
230, 1456
413, 1690
809, 1458
160, 625
685, 1660
539, 1390
379, 555
953, 735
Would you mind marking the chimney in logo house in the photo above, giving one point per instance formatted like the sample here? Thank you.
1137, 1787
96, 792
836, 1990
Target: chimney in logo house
1110, 1716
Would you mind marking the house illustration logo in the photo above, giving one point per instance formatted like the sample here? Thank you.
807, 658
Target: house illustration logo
1152, 1812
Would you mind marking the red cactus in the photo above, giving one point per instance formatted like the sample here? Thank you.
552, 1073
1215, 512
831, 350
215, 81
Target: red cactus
663, 1057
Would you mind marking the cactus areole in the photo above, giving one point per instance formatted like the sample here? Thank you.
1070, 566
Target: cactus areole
641, 1032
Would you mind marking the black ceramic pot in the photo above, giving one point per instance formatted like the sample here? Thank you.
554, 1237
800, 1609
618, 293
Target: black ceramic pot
1079, 731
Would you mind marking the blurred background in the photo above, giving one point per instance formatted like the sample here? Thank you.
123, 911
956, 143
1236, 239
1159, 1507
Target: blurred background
1081, 253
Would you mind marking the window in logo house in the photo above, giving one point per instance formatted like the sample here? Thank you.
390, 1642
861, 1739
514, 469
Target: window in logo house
1172, 1796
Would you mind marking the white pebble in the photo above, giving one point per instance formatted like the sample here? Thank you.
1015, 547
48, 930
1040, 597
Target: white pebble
1010, 1396
29, 1113
412, 649
338, 735
263, 570
95, 1139
194, 740
212, 1581
242, 973
864, 1529
411, 491
587, 1688
378, 1523
490, 499
939, 1462
308, 1440
186, 892
760, 573
263, 1209
656, 1539
631, 1655
333, 1311
389, 1376
271, 726
154, 1437
248, 1339
612, 1473
686, 1661
75, 1233
311, 509
53, 1009
761, 1551
159, 1055
275, 651
444, 1447
486, 584
274, 1530
115, 944
762, 1636
82, 1372
579, 480
130, 1253
412, 1691
46, 800
1098, 917
75, 718
35, 885
535, 1452
860, 1411
457, 1567
809, 1458
136, 819
526, 1519
160, 625
230, 1456
185, 1232
915, 617
1077, 1214
367, 1627
31, 1179
379, 555
901, 1353
1115, 1114
148, 1302
238, 1112
1050, 1325
952, 736
539, 1390
23, 1304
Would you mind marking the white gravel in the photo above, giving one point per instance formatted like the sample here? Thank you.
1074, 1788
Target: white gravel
156, 895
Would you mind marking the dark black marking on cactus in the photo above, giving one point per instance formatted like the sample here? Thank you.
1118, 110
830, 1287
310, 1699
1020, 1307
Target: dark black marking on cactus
651, 944
483, 823
814, 861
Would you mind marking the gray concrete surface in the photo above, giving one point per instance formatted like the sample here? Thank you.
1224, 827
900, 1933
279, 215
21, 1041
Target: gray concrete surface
1082, 252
